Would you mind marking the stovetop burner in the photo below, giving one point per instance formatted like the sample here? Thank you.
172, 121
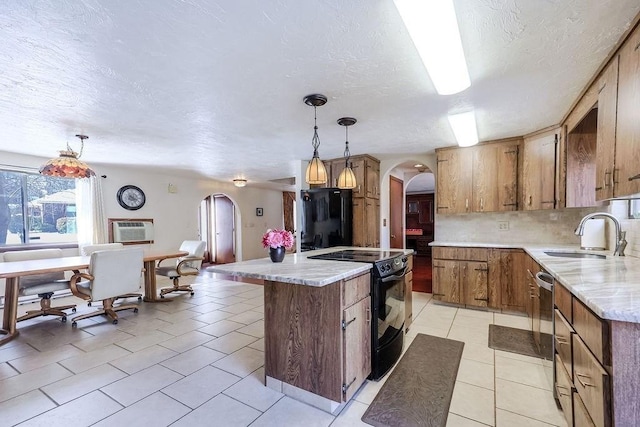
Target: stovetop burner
358, 256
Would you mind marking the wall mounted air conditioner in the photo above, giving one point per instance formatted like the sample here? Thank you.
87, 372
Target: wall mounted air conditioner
132, 231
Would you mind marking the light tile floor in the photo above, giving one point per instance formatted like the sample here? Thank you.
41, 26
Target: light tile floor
199, 361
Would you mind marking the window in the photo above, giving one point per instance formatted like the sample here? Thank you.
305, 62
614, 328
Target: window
36, 209
634, 208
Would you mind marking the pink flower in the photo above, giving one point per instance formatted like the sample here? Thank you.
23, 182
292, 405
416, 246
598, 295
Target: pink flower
276, 238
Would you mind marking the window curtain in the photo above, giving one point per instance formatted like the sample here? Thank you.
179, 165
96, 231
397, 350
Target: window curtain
91, 220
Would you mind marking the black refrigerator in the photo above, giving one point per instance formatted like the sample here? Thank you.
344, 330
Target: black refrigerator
326, 218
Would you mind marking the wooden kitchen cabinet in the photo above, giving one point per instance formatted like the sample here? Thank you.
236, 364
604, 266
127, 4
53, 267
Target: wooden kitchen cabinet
495, 177
318, 338
460, 276
454, 180
539, 171
583, 363
627, 151
366, 220
408, 295
606, 132
367, 172
509, 289
483, 178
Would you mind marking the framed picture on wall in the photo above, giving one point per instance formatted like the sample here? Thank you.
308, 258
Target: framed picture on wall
259, 212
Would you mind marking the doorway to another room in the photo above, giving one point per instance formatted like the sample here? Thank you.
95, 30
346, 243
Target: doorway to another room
217, 228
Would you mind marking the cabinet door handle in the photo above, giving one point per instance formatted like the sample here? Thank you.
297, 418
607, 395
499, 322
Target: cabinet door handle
579, 377
616, 172
466, 204
561, 340
368, 315
345, 323
607, 179
438, 266
559, 387
438, 295
633, 178
482, 299
481, 269
481, 204
345, 387
530, 200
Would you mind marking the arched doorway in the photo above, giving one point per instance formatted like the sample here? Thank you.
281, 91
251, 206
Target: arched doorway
218, 228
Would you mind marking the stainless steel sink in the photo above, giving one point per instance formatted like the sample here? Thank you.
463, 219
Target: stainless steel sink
575, 255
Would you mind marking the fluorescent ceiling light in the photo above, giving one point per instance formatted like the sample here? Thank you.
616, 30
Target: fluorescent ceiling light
433, 26
464, 128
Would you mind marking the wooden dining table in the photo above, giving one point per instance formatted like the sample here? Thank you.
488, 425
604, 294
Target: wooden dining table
12, 271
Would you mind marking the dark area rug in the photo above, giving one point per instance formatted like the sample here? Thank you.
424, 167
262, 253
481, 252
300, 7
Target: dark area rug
418, 391
518, 341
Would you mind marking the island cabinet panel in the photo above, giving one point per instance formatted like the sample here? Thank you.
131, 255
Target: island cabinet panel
318, 338
627, 174
357, 346
303, 338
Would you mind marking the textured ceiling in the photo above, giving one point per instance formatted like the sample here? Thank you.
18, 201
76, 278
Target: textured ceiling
215, 88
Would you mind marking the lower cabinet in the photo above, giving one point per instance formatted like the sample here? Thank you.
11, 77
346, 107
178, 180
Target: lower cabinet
318, 338
583, 385
408, 294
508, 276
460, 276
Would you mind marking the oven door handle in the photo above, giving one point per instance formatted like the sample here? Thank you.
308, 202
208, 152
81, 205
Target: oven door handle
394, 277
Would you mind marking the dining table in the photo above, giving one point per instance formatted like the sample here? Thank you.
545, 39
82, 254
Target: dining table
13, 270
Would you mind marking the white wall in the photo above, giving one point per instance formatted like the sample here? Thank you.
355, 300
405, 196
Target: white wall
175, 215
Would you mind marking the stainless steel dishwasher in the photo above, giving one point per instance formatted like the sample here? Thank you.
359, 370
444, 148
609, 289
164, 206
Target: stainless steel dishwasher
543, 324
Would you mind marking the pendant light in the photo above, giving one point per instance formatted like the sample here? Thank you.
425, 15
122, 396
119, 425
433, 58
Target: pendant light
316, 172
68, 165
347, 179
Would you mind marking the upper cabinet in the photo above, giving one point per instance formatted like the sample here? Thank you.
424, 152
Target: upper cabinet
626, 174
603, 141
495, 177
367, 172
483, 178
606, 131
453, 180
539, 171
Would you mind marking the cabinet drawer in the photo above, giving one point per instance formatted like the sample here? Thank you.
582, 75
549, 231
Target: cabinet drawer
580, 414
593, 331
563, 301
564, 390
466, 254
356, 288
591, 382
563, 341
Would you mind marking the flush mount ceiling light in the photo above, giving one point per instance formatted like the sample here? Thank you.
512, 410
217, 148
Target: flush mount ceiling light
68, 165
464, 128
433, 27
347, 179
316, 172
238, 182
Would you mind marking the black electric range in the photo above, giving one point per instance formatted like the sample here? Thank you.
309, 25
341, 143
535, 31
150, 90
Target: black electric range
387, 303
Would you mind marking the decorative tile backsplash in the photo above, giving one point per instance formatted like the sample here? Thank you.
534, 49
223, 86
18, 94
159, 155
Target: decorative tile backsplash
548, 226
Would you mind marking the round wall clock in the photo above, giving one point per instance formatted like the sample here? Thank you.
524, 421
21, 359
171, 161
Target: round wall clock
131, 197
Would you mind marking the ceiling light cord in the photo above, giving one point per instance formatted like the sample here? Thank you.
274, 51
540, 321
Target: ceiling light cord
315, 141
347, 154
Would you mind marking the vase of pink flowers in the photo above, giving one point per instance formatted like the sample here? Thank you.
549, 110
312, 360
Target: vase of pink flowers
278, 241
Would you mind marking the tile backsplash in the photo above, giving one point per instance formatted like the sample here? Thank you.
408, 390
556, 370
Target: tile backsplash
548, 226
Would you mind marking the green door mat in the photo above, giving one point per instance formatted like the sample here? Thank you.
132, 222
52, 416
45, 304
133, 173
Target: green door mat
418, 391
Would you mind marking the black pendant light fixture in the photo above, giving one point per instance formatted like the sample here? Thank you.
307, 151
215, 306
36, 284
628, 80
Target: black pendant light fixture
347, 179
316, 172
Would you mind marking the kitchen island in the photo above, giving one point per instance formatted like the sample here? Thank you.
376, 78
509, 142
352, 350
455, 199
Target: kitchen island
317, 325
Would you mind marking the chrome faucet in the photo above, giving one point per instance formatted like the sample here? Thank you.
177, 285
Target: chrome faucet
621, 242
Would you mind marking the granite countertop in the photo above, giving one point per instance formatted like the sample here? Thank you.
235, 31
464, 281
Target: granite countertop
610, 287
298, 269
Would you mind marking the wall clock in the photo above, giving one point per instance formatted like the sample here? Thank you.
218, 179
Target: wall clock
131, 197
